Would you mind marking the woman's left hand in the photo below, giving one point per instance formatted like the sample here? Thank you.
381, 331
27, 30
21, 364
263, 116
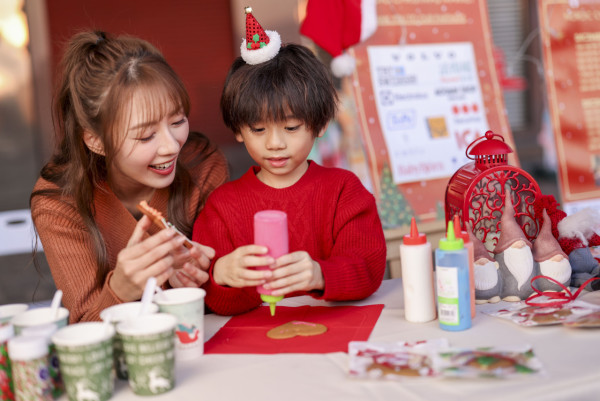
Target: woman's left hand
191, 266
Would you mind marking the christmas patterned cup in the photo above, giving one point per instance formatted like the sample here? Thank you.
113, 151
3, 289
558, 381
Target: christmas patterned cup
39, 317
85, 354
187, 305
149, 345
117, 314
7, 391
29, 364
46, 331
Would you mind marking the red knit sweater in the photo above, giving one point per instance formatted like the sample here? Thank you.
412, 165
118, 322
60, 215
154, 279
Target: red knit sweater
330, 215
68, 245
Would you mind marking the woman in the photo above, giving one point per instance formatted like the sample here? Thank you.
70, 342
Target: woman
121, 114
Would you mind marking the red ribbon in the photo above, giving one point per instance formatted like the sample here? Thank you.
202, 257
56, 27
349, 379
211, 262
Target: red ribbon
559, 298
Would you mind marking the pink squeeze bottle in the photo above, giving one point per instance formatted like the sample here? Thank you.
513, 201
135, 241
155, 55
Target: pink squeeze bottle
271, 230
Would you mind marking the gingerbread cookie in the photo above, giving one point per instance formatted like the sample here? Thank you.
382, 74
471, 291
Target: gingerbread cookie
296, 328
391, 369
547, 315
589, 320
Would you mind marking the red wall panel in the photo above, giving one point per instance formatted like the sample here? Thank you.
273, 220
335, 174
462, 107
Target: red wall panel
194, 36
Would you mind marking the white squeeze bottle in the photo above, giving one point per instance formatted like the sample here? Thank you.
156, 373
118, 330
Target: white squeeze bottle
417, 276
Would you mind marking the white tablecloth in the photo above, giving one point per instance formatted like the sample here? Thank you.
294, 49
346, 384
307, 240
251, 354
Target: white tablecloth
571, 358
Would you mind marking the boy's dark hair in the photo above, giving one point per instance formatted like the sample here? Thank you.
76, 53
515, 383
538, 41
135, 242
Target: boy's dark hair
294, 81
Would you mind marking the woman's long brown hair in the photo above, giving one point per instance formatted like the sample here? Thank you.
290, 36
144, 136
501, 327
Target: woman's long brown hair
101, 74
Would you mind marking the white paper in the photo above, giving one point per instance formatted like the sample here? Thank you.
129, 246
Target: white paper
430, 107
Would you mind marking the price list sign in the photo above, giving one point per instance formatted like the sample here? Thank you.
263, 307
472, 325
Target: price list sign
425, 87
570, 33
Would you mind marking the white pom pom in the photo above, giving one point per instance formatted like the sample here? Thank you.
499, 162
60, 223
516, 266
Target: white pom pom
263, 54
343, 65
582, 225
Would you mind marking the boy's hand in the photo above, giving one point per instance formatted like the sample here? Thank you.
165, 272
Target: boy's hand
237, 268
191, 265
296, 271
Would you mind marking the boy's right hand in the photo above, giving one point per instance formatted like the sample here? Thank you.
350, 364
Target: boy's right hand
237, 268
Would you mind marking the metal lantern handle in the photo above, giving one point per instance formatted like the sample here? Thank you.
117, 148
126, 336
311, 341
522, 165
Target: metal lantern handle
488, 135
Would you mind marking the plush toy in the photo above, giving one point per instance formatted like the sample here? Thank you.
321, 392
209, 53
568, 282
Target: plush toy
514, 256
488, 283
576, 234
553, 262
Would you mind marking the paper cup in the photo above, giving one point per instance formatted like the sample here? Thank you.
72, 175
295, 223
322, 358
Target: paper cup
86, 360
149, 345
8, 311
29, 365
187, 305
46, 331
117, 314
40, 316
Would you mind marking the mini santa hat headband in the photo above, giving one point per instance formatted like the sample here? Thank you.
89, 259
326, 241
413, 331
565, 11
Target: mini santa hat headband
259, 45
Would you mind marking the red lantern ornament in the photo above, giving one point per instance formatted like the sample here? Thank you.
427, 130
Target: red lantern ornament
476, 191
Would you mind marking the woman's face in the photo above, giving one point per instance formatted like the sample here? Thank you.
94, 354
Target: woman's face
146, 157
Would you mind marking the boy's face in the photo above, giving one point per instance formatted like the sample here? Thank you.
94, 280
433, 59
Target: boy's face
280, 149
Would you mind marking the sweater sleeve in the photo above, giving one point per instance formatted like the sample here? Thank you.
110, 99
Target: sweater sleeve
357, 261
68, 249
210, 229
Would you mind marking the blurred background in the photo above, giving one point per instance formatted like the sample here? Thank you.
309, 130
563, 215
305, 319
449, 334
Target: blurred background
200, 39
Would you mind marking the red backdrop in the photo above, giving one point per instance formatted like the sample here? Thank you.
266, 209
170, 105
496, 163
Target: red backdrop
194, 36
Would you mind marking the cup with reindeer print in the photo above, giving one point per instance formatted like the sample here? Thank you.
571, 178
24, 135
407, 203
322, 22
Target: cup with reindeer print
149, 346
187, 305
85, 355
116, 314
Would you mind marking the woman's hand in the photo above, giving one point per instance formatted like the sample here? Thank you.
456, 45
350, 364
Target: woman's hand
191, 266
296, 271
237, 268
144, 258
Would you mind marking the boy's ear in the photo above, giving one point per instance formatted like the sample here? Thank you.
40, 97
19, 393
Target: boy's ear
93, 142
322, 132
239, 138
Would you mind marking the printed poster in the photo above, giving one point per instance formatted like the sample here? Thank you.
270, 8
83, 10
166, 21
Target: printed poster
423, 94
425, 87
570, 32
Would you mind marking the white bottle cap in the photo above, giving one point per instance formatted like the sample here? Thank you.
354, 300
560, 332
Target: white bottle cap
6, 332
26, 348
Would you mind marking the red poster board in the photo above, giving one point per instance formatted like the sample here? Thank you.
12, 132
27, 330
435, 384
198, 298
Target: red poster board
570, 32
460, 102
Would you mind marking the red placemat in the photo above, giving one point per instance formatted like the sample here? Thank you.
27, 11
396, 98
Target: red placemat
247, 333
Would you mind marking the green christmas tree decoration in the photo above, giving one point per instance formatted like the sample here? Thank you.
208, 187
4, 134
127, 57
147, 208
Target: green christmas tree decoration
394, 210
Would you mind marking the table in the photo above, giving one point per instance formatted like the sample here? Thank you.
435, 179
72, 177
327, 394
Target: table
571, 358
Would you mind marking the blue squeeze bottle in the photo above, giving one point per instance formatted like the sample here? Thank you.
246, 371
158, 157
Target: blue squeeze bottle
452, 282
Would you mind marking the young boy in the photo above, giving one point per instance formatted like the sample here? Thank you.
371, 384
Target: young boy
277, 108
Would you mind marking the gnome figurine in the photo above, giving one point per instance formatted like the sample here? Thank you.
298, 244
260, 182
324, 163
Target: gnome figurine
514, 256
553, 262
488, 282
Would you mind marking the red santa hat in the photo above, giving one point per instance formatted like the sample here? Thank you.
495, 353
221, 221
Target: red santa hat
510, 231
479, 250
259, 45
335, 25
545, 245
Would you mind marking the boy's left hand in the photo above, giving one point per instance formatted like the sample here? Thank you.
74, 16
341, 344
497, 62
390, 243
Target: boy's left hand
296, 271
191, 266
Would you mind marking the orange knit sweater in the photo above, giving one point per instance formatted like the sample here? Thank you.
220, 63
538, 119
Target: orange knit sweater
68, 245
